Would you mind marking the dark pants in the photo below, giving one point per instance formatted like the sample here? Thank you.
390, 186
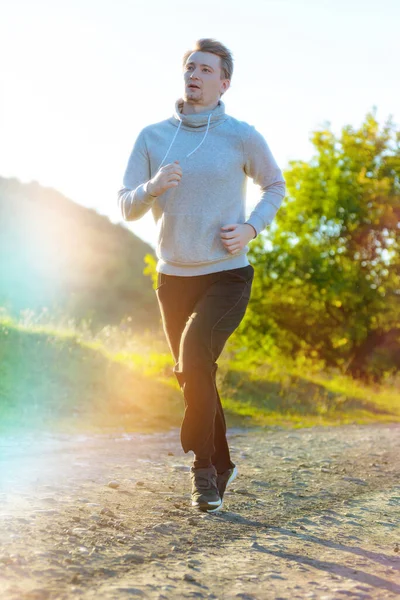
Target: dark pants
199, 313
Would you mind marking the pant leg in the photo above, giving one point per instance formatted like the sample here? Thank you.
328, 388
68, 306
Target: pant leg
177, 300
177, 297
221, 458
218, 310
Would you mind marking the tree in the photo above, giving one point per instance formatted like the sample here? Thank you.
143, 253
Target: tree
327, 281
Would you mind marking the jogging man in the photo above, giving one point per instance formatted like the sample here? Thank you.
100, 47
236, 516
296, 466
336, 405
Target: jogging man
191, 171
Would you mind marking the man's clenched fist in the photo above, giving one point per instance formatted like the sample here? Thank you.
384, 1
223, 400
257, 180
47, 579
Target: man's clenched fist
236, 239
167, 177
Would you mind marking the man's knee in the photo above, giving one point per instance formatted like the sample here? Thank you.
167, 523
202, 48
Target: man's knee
188, 368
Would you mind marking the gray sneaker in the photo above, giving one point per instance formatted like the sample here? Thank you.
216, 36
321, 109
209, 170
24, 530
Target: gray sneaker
223, 479
205, 495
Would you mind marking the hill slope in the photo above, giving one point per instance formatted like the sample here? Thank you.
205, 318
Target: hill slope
70, 259
53, 380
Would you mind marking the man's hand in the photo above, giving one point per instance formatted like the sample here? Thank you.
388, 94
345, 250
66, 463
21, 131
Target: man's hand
236, 240
167, 177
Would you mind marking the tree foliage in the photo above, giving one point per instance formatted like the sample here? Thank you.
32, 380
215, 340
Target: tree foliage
327, 281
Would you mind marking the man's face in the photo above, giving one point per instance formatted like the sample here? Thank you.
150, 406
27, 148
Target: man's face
202, 69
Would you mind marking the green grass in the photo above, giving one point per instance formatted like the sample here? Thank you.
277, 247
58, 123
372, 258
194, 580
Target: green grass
61, 377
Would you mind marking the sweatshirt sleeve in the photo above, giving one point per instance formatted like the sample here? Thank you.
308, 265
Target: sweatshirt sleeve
260, 165
134, 199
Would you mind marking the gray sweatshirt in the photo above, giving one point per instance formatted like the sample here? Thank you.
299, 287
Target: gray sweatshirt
216, 153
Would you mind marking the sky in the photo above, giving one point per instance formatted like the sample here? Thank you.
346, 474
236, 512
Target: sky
80, 79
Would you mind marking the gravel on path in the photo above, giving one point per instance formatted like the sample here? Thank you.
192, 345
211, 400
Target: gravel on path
313, 513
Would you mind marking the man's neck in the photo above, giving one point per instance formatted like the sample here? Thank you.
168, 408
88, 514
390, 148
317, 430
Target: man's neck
190, 108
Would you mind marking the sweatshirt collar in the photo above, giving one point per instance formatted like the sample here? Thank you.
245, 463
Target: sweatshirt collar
198, 120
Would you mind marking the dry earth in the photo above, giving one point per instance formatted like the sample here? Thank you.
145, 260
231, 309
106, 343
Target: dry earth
313, 513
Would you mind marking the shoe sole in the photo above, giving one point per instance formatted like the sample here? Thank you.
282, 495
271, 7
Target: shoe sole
213, 510
232, 477
207, 507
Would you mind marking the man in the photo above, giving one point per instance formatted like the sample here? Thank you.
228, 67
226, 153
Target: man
204, 279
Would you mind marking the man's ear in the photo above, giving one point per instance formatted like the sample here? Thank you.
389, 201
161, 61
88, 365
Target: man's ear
228, 84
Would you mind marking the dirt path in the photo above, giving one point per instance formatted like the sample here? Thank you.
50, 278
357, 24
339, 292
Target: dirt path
313, 513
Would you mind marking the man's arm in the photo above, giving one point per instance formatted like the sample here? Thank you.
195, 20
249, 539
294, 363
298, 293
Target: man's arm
134, 198
261, 166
